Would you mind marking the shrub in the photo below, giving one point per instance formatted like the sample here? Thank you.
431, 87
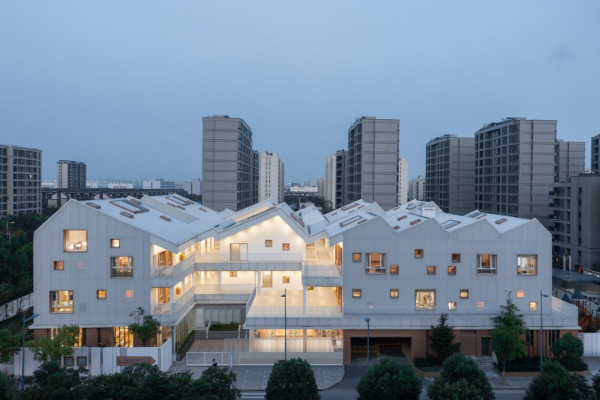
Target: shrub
568, 351
292, 379
429, 364
555, 382
526, 364
232, 326
457, 368
388, 380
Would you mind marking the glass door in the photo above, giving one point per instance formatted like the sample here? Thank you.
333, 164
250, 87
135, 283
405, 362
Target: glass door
238, 252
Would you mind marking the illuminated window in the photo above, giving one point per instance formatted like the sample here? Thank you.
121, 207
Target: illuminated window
393, 270
101, 294
375, 263
419, 253
233, 274
480, 304
121, 267
394, 293
425, 299
464, 294
115, 243
451, 270
520, 293
533, 306
129, 293
286, 279
285, 246
431, 270
451, 305
356, 257
61, 301
75, 241
59, 265
356, 293
527, 264
268, 243
486, 263
455, 257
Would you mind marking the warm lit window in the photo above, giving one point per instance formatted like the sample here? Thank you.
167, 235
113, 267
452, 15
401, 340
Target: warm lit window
268, 243
393, 270
451, 270
356, 293
431, 270
486, 263
533, 306
75, 240
286, 279
418, 253
425, 299
451, 305
520, 293
394, 293
464, 294
101, 294
233, 274
455, 257
129, 293
121, 267
375, 263
527, 264
115, 243
285, 246
356, 257
61, 301
59, 265
480, 304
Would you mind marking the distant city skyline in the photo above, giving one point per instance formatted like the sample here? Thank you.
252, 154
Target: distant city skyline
123, 87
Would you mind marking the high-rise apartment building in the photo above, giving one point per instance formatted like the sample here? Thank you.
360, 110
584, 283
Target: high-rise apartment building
569, 160
229, 164
402, 181
450, 173
372, 161
416, 188
271, 177
71, 175
194, 187
329, 180
596, 153
340, 178
20, 180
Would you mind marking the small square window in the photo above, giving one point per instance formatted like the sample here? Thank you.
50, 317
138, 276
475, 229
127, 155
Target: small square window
393, 270
533, 306
356, 257
69, 361
101, 294
286, 279
455, 257
356, 293
115, 243
520, 293
419, 253
451, 270
82, 361
431, 270
268, 243
451, 305
129, 293
285, 246
59, 265
233, 274
75, 240
394, 293
464, 294
480, 304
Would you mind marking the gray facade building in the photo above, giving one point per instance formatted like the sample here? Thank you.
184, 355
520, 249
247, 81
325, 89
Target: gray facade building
450, 173
229, 164
340, 178
20, 180
372, 161
596, 153
71, 175
416, 188
271, 177
569, 160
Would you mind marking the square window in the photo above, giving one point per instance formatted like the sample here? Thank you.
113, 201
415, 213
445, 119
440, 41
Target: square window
451, 305
101, 294
121, 267
268, 243
419, 253
394, 293
431, 270
82, 361
75, 240
533, 306
393, 270
480, 304
356, 257
61, 302
486, 263
129, 293
69, 361
285, 246
233, 274
286, 279
464, 293
527, 264
451, 270
59, 265
356, 293
115, 243
375, 263
425, 299
520, 293
455, 257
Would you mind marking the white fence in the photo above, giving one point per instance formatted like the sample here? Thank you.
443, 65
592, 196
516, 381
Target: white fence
591, 344
12, 308
193, 359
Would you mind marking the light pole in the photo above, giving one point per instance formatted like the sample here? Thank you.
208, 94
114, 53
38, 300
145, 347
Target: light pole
367, 320
284, 295
23, 350
8, 230
542, 295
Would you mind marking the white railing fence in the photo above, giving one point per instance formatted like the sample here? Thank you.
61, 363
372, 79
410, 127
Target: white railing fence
194, 359
12, 308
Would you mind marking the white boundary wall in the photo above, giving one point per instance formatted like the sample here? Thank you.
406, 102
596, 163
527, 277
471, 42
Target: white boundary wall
591, 344
193, 359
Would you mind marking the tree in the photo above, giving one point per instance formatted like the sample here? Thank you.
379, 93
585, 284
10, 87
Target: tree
147, 329
555, 383
596, 384
388, 380
46, 349
442, 337
568, 351
506, 336
54, 383
217, 383
292, 379
9, 345
7, 387
460, 376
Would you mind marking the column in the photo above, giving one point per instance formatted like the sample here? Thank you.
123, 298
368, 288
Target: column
258, 281
304, 341
219, 275
304, 300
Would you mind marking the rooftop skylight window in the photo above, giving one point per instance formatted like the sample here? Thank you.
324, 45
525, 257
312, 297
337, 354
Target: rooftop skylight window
416, 221
450, 223
349, 221
481, 216
402, 217
128, 206
501, 221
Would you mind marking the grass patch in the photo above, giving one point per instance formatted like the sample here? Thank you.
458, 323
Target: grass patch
224, 327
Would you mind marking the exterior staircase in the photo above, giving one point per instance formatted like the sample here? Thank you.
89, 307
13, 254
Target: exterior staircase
486, 364
211, 335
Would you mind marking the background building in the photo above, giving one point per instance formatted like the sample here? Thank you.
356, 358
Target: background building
596, 153
229, 164
569, 160
402, 180
271, 177
71, 174
450, 176
340, 178
194, 187
20, 180
159, 183
416, 188
329, 180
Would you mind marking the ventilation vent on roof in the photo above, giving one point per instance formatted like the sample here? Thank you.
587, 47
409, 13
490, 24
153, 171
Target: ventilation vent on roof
179, 200
297, 220
402, 217
332, 214
181, 208
416, 221
396, 227
96, 206
346, 208
126, 214
202, 209
171, 204
165, 218
501, 221
361, 207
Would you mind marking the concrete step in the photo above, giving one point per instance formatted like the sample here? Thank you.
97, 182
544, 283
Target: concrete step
485, 364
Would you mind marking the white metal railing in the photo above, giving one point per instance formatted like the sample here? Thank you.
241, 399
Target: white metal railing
324, 311
195, 359
14, 307
161, 308
162, 271
248, 257
570, 310
250, 300
183, 301
225, 289
400, 310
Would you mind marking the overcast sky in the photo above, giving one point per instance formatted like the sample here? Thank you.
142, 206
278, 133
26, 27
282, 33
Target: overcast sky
123, 86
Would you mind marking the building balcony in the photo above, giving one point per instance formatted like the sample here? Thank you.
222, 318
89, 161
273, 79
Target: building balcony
320, 302
285, 261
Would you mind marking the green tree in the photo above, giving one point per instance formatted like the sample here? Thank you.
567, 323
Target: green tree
568, 350
441, 339
7, 387
52, 382
217, 383
46, 349
506, 336
555, 383
388, 380
460, 376
147, 329
596, 384
292, 379
9, 345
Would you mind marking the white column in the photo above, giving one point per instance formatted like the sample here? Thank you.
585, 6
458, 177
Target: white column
258, 281
304, 300
219, 274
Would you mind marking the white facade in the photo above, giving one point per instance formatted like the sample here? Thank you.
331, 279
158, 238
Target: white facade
402, 181
416, 188
329, 182
270, 177
193, 187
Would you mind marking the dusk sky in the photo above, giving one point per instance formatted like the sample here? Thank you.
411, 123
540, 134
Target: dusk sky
123, 86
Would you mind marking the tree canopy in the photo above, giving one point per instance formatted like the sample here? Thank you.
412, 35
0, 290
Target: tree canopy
555, 383
147, 329
46, 349
506, 336
292, 379
388, 380
442, 338
460, 378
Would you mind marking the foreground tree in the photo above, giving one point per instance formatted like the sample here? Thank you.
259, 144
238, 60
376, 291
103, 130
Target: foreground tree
217, 383
460, 378
555, 383
568, 351
506, 336
147, 329
9, 345
8, 389
388, 380
292, 379
46, 349
53, 382
442, 337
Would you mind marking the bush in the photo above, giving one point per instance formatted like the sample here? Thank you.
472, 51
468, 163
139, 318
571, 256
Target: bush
460, 377
568, 351
292, 379
224, 327
388, 380
429, 364
555, 382
525, 364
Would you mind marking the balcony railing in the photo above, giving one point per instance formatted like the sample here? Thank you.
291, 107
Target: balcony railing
248, 257
226, 289
162, 271
294, 311
161, 308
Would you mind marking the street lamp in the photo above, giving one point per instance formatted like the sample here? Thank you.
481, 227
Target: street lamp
542, 295
284, 295
8, 230
367, 320
23, 349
